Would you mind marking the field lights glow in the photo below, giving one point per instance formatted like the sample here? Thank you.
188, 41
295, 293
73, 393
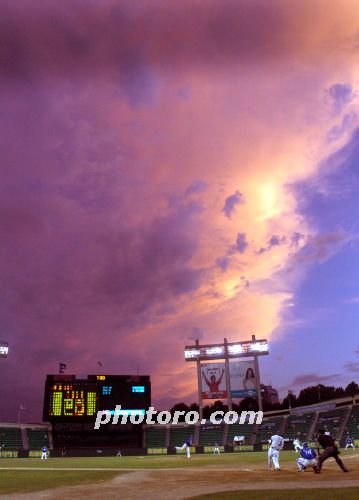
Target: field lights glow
234, 350
4, 349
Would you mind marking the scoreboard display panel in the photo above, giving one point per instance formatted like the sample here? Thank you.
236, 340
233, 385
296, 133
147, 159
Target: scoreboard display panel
70, 399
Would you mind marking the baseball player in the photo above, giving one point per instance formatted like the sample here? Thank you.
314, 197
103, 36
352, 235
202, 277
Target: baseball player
276, 445
308, 458
186, 446
297, 445
216, 449
349, 442
44, 453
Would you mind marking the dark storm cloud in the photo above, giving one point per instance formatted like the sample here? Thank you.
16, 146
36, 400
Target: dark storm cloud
274, 241
352, 367
70, 280
296, 239
240, 246
320, 247
245, 281
76, 271
337, 182
231, 203
132, 268
223, 262
311, 378
338, 130
197, 187
107, 142
241, 243
341, 94
150, 262
77, 37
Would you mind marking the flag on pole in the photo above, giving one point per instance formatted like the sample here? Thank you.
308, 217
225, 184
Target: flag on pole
62, 367
22, 407
100, 364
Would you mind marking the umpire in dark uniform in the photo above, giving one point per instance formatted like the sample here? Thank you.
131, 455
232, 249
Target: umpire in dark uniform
330, 450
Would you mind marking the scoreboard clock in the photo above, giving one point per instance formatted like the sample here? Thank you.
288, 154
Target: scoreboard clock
70, 399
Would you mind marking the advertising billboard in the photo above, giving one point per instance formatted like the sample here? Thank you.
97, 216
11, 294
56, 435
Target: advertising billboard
213, 381
242, 379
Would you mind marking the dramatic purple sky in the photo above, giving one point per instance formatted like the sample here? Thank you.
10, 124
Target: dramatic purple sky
173, 170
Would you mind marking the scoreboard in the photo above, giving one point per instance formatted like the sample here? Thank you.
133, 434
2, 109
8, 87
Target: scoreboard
70, 399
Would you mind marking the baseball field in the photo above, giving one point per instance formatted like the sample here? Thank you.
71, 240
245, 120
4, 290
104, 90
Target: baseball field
228, 476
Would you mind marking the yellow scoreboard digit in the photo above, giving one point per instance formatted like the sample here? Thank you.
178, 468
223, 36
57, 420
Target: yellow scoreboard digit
68, 407
72, 402
56, 404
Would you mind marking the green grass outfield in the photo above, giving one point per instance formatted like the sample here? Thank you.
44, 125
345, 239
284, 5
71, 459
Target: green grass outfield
23, 475
28, 481
150, 461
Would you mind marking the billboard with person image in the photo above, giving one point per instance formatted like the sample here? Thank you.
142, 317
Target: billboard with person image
242, 379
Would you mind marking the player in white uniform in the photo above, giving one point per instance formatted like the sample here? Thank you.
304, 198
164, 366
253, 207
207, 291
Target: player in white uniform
276, 445
44, 453
297, 445
216, 449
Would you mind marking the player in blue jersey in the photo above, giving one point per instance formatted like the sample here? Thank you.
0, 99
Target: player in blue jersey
186, 446
44, 453
349, 442
308, 458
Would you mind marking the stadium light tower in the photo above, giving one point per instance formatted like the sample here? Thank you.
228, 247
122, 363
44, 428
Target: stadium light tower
229, 350
4, 349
